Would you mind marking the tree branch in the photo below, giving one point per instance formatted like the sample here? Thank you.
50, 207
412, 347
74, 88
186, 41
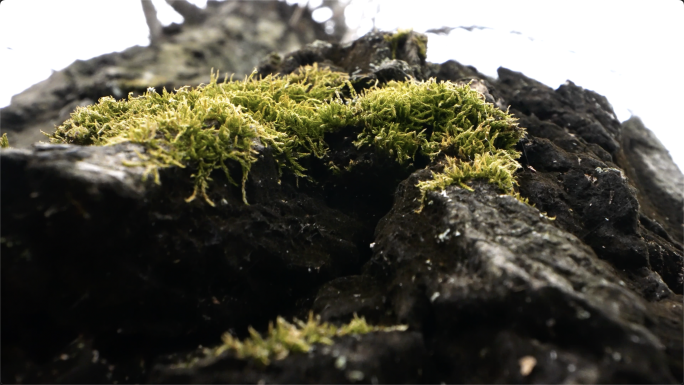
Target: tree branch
191, 13
153, 22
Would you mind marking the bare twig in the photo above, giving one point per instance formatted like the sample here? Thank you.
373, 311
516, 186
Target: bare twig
152, 21
447, 30
190, 12
297, 14
340, 25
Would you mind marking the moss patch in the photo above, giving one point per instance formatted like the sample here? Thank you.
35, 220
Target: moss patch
298, 337
497, 168
403, 118
206, 127
4, 142
434, 118
402, 36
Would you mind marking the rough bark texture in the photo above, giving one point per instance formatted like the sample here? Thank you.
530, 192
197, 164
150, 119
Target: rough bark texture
108, 277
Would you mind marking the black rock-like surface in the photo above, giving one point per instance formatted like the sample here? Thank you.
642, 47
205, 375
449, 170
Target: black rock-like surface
109, 277
89, 249
395, 357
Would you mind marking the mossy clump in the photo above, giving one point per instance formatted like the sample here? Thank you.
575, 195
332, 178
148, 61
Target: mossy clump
298, 337
433, 118
497, 169
404, 118
4, 142
208, 126
402, 36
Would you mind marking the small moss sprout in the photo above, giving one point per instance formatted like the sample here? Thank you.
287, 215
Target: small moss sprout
4, 142
284, 337
497, 169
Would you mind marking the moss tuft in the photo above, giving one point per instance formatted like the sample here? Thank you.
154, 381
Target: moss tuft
402, 36
397, 39
207, 126
297, 337
420, 41
4, 142
440, 118
497, 168
403, 118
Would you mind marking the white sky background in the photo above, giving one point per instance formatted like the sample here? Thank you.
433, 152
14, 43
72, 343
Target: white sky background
628, 50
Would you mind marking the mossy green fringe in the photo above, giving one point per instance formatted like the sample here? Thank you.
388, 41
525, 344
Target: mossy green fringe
402, 36
4, 142
207, 126
299, 336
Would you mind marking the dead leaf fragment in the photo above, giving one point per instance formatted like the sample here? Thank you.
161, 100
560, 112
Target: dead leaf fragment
527, 364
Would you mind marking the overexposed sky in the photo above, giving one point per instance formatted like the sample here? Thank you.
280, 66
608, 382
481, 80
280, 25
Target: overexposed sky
628, 50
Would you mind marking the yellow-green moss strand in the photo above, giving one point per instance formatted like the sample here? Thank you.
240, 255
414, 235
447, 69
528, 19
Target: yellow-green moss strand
284, 338
497, 169
206, 126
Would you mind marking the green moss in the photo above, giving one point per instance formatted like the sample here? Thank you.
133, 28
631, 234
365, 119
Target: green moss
208, 126
497, 168
402, 36
403, 118
297, 337
4, 142
421, 42
431, 118
398, 38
